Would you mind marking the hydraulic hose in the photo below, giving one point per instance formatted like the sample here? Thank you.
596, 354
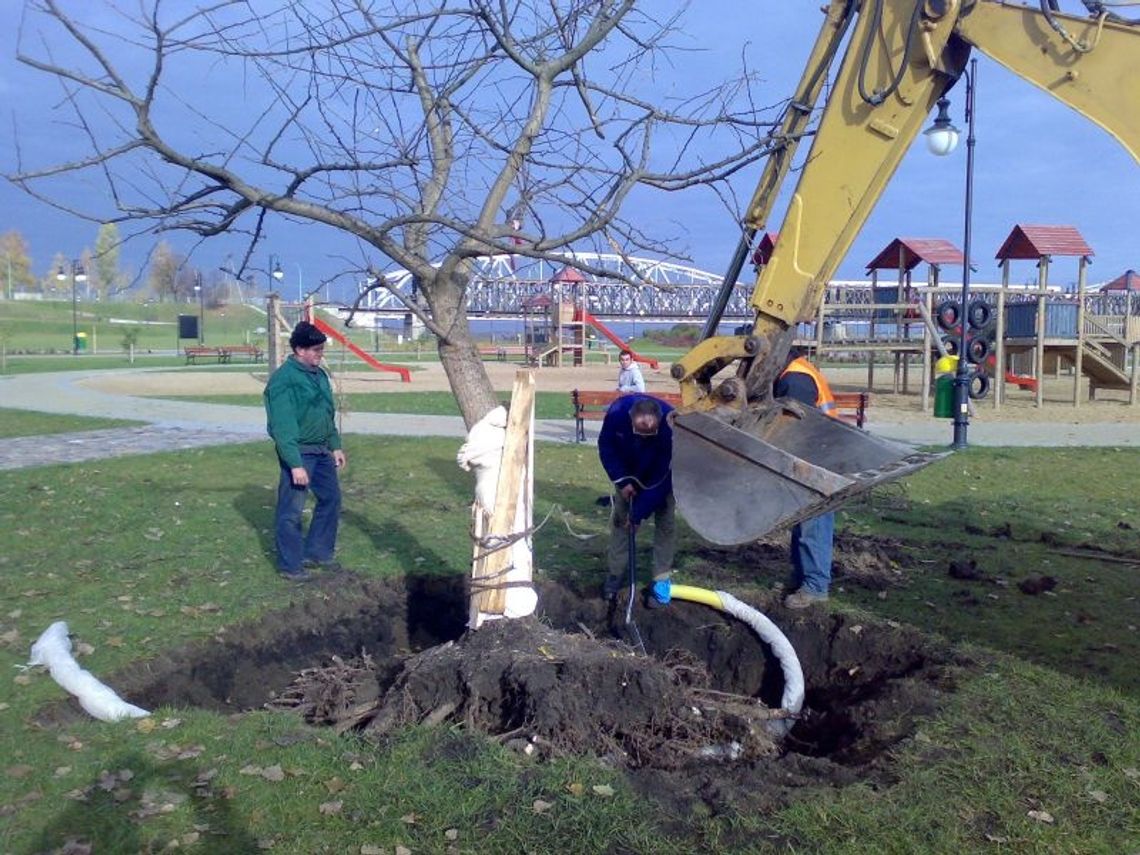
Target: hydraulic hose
792, 700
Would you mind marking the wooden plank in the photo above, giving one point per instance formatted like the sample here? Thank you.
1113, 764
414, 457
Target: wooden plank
488, 569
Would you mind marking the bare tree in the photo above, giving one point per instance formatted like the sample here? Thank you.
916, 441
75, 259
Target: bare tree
424, 128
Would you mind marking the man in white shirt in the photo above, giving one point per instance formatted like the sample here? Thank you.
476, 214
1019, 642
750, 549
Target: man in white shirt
629, 376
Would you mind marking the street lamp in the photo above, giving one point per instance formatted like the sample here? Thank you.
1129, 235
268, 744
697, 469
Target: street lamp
941, 139
275, 268
201, 306
77, 275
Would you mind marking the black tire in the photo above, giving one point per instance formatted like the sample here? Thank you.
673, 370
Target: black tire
977, 349
979, 314
979, 386
948, 314
951, 344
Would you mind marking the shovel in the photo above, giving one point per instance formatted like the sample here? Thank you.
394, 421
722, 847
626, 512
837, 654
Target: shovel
631, 625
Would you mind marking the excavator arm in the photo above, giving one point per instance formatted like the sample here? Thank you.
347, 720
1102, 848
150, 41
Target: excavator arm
743, 465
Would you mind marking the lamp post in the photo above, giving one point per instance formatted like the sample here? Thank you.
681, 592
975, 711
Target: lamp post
201, 306
941, 139
275, 270
77, 275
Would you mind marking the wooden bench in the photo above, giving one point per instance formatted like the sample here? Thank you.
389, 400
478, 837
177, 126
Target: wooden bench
851, 406
593, 405
196, 352
251, 352
501, 352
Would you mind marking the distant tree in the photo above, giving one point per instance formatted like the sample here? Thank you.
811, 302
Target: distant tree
105, 262
51, 283
433, 133
162, 275
15, 264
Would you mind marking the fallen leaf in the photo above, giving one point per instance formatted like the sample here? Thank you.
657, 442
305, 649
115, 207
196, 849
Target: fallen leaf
540, 806
1132, 773
12, 636
451, 834
602, 790
21, 679
367, 849
115, 641
170, 723
190, 838
993, 838
331, 808
249, 770
84, 649
19, 771
1041, 816
409, 819
145, 725
403, 850
62, 771
1098, 796
334, 785
273, 773
575, 789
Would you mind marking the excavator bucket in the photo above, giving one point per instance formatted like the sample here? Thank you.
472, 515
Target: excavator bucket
737, 478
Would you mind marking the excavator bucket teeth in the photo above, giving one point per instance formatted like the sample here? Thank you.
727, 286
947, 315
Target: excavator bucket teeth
736, 478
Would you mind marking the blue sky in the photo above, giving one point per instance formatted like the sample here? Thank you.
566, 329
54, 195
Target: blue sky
1036, 162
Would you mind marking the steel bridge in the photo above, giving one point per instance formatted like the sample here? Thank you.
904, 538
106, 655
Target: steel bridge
504, 284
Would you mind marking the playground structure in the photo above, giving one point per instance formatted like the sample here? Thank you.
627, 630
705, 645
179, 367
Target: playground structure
280, 328
557, 325
1036, 331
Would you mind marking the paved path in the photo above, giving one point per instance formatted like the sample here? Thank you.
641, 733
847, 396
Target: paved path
173, 425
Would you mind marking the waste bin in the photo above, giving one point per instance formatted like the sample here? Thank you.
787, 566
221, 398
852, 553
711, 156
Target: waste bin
944, 397
80, 341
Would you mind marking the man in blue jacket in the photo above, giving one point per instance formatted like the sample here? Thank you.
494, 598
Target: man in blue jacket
302, 422
636, 449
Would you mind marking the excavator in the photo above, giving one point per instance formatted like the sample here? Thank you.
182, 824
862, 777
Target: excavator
743, 463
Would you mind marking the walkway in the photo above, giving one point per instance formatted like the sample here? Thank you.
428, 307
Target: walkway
174, 425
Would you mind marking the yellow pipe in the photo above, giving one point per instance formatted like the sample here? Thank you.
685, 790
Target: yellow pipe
698, 595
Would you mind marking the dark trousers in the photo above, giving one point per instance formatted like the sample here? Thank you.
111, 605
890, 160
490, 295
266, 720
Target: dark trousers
293, 548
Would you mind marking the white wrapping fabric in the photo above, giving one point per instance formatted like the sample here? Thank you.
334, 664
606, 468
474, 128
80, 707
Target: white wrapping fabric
53, 651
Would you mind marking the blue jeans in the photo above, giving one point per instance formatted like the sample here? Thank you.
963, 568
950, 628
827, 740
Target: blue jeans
811, 553
320, 543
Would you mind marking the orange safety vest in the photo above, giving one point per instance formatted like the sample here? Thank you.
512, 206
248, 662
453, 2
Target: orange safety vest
824, 400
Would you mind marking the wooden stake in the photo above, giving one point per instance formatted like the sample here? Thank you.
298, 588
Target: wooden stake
487, 571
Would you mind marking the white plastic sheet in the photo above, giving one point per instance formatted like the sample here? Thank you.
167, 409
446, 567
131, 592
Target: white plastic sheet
53, 651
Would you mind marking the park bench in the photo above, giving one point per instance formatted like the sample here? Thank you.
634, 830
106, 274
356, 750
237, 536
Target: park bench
198, 351
851, 406
501, 352
251, 352
593, 405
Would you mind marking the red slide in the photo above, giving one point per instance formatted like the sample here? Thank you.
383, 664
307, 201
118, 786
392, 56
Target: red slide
331, 332
612, 336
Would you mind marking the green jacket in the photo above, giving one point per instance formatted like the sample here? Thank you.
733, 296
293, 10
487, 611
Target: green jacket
300, 409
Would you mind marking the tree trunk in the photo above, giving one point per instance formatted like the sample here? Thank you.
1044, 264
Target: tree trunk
457, 352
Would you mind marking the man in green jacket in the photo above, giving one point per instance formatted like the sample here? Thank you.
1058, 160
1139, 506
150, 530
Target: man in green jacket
302, 422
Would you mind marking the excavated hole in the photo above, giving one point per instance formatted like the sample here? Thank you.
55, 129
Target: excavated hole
869, 685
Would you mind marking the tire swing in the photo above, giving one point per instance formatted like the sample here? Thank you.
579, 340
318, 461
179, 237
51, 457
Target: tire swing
979, 314
950, 343
948, 314
979, 386
977, 349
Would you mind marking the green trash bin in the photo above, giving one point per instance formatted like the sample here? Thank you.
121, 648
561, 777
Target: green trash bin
944, 397
80, 341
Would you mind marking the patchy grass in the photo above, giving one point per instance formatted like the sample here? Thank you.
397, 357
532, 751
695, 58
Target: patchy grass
548, 405
166, 549
25, 423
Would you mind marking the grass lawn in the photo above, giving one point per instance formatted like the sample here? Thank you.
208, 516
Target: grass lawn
1032, 750
27, 423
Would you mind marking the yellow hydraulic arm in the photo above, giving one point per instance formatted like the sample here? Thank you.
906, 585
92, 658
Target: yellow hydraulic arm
743, 464
903, 55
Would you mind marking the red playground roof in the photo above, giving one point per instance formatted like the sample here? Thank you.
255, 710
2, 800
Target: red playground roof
1032, 242
914, 251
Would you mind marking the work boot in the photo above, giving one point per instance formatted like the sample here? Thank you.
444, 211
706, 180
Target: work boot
611, 587
803, 598
301, 575
330, 566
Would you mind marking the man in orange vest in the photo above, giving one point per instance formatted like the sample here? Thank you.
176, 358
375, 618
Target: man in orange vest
811, 539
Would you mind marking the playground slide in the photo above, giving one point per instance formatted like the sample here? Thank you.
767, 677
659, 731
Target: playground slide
365, 356
612, 336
